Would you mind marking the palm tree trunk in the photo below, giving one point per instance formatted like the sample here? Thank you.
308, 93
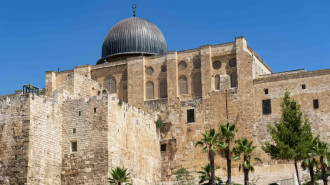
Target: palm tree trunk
295, 165
228, 163
324, 171
211, 157
311, 173
246, 176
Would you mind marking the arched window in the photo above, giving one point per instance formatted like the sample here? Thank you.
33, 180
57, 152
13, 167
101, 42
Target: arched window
163, 89
197, 84
183, 85
217, 82
110, 84
233, 79
149, 91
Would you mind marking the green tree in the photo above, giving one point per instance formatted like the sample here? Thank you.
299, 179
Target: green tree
206, 175
183, 177
209, 142
119, 176
322, 151
292, 136
244, 147
227, 134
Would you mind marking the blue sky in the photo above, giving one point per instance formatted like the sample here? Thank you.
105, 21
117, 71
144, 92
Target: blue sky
38, 35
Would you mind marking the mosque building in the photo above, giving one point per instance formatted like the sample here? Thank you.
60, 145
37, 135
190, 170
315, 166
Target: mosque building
93, 118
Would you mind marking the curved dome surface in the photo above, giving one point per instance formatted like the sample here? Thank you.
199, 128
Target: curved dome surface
134, 36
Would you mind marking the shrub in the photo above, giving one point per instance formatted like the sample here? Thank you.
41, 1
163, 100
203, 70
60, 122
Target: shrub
159, 123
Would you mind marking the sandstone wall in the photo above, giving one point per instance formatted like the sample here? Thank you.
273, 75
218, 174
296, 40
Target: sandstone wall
14, 139
84, 122
45, 141
133, 142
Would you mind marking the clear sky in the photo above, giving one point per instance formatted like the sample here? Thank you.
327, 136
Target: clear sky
42, 35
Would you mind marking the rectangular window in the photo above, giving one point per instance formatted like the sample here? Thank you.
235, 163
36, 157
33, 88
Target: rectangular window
79, 113
266, 91
190, 115
303, 86
316, 104
74, 130
74, 146
266, 106
94, 110
163, 147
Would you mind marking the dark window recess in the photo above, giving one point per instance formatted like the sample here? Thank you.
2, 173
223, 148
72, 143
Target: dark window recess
163, 147
316, 104
266, 91
190, 115
74, 130
79, 113
303, 86
266, 106
94, 110
74, 146
15, 157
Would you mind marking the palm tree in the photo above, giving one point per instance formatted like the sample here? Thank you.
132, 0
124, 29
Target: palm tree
309, 163
227, 133
206, 175
322, 150
244, 147
209, 142
119, 176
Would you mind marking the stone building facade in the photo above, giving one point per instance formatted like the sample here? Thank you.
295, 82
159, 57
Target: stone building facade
95, 117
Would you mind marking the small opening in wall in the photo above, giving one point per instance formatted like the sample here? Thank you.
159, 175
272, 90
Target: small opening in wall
303, 86
190, 115
316, 104
266, 106
266, 91
94, 110
74, 130
16, 157
163, 147
74, 146
79, 113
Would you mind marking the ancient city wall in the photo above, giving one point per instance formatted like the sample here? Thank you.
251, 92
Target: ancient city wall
45, 140
14, 139
133, 142
85, 122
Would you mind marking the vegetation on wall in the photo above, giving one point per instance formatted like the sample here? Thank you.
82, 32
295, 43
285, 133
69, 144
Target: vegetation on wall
183, 177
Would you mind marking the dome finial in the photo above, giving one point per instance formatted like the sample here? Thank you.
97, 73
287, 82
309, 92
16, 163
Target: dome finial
134, 7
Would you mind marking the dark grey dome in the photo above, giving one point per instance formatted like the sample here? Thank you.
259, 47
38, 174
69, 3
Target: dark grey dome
134, 36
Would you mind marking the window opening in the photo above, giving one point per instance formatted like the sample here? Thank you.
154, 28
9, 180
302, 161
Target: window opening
163, 147
190, 115
303, 86
316, 104
74, 146
266, 106
266, 91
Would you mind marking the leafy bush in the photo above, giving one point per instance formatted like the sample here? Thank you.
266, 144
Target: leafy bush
309, 183
159, 123
183, 177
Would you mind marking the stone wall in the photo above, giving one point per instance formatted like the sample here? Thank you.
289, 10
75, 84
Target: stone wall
45, 140
85, 122
133, 142
14, 139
